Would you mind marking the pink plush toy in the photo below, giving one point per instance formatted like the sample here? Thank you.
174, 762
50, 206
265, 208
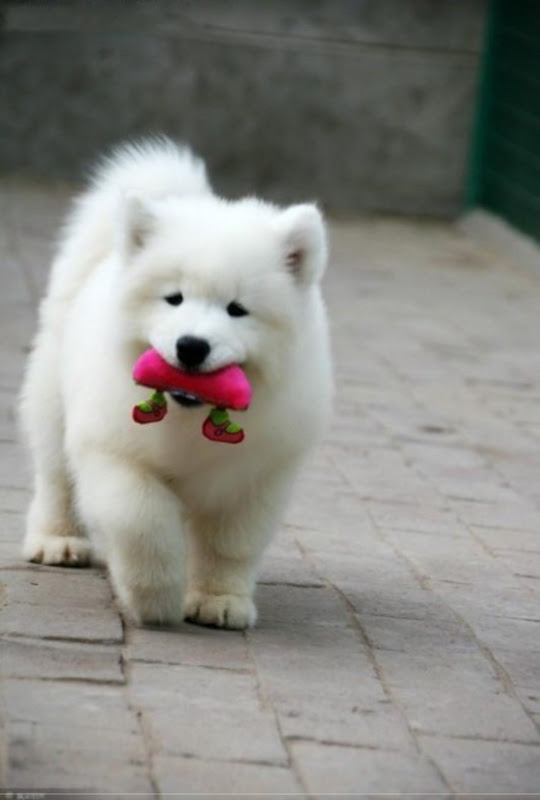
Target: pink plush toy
225, 388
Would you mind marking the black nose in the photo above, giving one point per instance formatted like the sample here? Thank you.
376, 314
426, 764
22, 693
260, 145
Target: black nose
192, 351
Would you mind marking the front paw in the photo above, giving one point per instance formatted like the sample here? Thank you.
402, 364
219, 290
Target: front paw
60, 551
220, 610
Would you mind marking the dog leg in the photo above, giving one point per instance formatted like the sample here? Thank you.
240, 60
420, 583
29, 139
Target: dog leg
221, 588
138, 526
53, 534
224, 552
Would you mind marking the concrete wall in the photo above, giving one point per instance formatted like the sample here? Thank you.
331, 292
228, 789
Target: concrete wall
361, 104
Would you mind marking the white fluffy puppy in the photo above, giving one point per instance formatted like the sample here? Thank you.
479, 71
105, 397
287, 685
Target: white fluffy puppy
150, 256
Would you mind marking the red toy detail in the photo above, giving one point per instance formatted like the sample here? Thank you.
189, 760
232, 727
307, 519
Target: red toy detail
151, 410
218, 428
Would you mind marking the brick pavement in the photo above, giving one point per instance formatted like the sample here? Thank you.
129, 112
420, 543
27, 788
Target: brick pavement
398, 647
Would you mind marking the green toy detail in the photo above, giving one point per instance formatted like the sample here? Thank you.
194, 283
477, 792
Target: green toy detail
151, 410
220, 418
217, 426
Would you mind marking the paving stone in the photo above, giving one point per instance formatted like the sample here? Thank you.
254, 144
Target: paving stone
338, 508
530, 584
281, 571
62, 586
488, 598
77, 759
395, 598
69, 704
508, 543
522, 564
440, 521
352, 533
476, 712
379, 583
12, 525
434, 630
319, 697
285, 655
18, 327
383, 474
487, 767
281, 604
283, 563
10, 558
368, 430
528, 697
410, 424
218, 779
207, 713
520, 636
457, 694
118, 744
14, 289
376, 724
459, 472
521, 664
451, 559
512, 516
3, 755
318, 471
14, 469
154, 686
29, 658
333, 771
191, 646
208, 730
60, 622
14, 499
12, 362
9, 428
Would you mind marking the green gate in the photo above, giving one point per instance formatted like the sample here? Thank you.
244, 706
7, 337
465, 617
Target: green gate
505, 166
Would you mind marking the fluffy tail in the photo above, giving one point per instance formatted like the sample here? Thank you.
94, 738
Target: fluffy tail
153, 169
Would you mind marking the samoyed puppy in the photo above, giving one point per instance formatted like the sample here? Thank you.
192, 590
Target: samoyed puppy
150, 256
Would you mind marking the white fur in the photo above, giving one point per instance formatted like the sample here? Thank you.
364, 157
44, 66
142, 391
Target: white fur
152, 499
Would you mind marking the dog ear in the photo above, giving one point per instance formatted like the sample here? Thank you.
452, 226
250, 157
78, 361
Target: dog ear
304, 242
137, 223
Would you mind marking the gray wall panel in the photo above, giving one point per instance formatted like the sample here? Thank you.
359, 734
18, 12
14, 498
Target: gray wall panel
358, 108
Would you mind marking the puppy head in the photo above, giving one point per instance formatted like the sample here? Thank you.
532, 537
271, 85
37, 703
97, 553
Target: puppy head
209, 282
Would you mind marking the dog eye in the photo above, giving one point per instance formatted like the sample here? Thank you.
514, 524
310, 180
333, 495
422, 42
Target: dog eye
235, 309
174, 299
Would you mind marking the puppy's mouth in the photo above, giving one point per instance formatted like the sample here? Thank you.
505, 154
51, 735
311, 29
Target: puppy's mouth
185, 399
